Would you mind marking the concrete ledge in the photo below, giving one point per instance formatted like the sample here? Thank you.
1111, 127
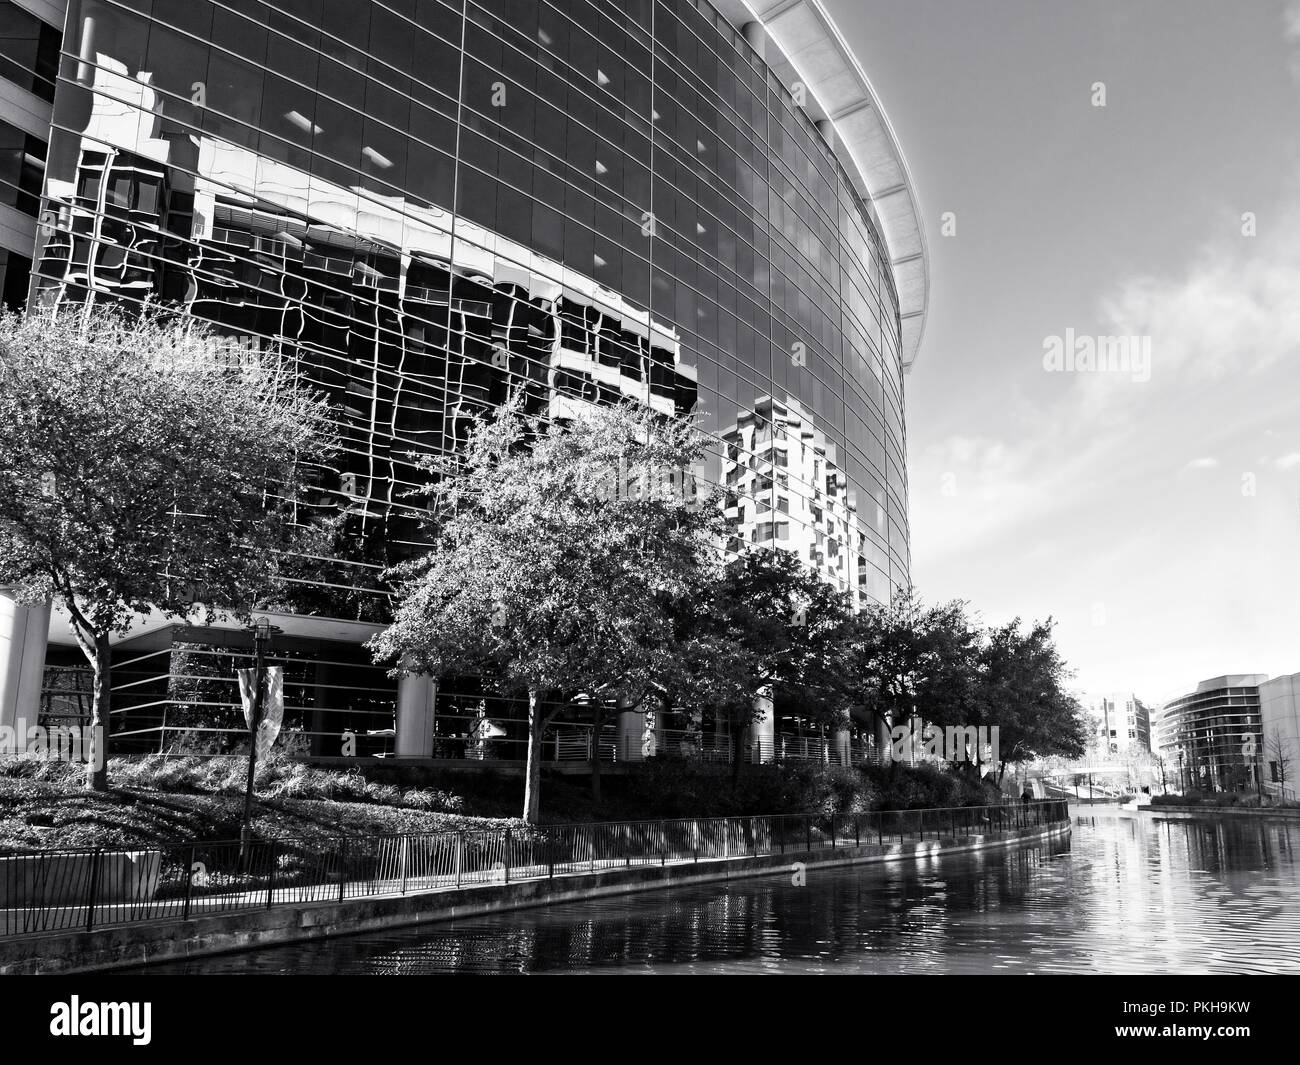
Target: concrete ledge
135, 944
1287, 813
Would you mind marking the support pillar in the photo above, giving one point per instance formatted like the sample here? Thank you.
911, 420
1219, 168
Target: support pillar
631, 726
883, 739
841, 747
24, 631
417, 700
762, 730
756, 37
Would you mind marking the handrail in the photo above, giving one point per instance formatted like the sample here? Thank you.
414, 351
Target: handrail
85, 888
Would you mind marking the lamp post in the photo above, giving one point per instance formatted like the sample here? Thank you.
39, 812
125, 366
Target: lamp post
1259, 773
262, 630
1182, 782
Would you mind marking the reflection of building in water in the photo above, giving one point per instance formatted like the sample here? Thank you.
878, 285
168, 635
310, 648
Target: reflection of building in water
340, 183
784, 490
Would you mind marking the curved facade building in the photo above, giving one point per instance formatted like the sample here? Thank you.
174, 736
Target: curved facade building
1213, 734
423, 205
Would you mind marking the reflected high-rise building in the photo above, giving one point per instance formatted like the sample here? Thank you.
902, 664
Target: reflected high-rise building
425, 206
29, 62
786, 491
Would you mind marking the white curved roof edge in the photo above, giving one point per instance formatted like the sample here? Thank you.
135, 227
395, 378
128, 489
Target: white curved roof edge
810, 49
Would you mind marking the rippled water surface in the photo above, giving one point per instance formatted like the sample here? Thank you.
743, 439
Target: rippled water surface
1125, 893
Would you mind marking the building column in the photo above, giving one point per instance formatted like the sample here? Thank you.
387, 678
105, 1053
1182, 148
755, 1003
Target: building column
841, 747
631, 726
756, 36
24, 631
417, 701
762, 730
883, 746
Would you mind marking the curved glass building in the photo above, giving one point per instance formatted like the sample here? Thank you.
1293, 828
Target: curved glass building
426, 204
1213, 734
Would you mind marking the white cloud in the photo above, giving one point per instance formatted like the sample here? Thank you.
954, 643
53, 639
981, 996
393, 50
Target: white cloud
1206, 463
1288, 462
1291, 31
1236, 310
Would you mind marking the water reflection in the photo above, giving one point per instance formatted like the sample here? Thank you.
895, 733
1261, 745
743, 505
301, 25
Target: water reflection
1128, 893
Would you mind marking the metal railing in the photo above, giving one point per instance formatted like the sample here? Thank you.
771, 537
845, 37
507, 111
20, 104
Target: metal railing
84, 889
572, 743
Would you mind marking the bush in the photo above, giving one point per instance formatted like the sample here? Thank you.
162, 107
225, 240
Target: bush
31, 767
694, 789
278, 777
902, 787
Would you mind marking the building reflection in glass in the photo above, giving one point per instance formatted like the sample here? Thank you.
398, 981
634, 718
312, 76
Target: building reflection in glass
421, 208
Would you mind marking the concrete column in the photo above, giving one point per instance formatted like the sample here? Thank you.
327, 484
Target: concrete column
841, 747
762, 731
24, 631
86, 53
882, 736
756, 37
631, 725
417, 700
827, 129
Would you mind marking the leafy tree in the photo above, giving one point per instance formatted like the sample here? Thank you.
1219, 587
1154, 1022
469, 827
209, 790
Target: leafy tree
768, 622
907, 660
1277, 750
561, 553
137, 465
1022, 691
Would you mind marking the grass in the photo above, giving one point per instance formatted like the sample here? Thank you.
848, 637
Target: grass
44, 805
156, 800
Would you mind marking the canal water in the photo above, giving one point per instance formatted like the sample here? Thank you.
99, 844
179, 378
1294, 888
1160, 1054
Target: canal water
1126, 893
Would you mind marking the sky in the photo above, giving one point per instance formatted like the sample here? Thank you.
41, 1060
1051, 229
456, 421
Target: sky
1155, 515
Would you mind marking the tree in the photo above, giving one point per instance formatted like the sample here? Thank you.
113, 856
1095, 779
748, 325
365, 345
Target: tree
138, 464
1277, 751
767, 622
907, 660
559, 552
1022, 691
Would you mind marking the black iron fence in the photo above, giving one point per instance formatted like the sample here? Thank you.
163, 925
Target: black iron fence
91, 888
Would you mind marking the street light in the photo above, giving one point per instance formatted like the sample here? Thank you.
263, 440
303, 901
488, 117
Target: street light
1259, 773
262, 631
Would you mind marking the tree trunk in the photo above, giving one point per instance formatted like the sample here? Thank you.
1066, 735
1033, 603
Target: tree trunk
97, 763
533, 769
737, 752
598, 719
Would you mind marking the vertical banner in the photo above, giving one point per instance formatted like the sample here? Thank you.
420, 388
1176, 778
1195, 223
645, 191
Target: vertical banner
272, 704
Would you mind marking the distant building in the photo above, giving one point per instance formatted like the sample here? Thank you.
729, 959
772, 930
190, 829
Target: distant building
1121, 723
1279, 711
1212, 735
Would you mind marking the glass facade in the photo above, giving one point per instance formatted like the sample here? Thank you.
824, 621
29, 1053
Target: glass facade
29, 61
1213, 734
424, 205
29, 50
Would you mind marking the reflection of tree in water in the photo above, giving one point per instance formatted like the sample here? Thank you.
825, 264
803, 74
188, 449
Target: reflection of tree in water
909, 911
1225, 846
1121, 895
